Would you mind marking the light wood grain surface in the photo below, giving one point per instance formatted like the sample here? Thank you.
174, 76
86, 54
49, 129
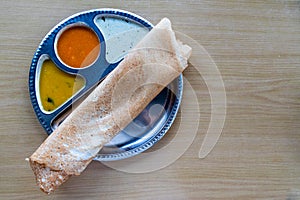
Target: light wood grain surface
256, 46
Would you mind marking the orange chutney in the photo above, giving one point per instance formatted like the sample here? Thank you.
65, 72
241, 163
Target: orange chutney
56, 86
78, 46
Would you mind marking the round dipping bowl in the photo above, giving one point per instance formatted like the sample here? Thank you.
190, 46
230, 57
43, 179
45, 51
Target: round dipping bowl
77, 46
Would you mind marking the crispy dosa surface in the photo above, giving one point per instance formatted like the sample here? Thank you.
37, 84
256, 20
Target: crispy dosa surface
155, 62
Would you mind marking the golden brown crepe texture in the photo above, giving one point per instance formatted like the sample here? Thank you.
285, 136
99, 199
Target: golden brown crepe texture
155, 62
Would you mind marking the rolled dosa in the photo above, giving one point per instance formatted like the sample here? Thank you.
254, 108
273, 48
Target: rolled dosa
149, 67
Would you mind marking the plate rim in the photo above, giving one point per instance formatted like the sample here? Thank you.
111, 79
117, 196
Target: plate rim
34, 98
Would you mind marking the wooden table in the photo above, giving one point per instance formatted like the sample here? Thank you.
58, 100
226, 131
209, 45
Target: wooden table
256, 47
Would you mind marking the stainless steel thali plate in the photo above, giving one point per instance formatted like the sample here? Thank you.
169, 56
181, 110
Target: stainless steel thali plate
118, 31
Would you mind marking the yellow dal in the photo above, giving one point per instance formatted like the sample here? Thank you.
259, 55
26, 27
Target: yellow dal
56, 86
